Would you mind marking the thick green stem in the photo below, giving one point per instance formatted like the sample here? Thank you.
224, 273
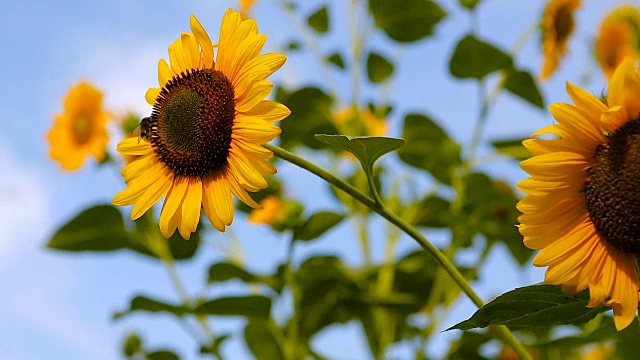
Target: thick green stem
292, 333
457, 277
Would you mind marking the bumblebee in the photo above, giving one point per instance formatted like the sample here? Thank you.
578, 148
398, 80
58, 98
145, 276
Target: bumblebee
144, 129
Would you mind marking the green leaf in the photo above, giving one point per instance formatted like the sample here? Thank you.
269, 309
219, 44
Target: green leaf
336, 59
533, 306
409, 21
367, 149
432, 212
214, 348
316, 225
522, 84
132, 345
429, 147
469, 4
379, 69
143, 303
99, 228
310, 114
512, 148
474, 58
258, 336
250, 306
162, 355
148, 240
319, 20
227, 271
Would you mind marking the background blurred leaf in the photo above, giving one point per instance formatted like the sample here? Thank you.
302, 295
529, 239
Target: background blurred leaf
474, 58
310, 114
99, 228
227, 271
249, 306
429, 147
522, 84
147, 240
162, 355
512, 148
260, 340
336, 59
132, 345
379, 69
317, 224
432, 211
319, 20
469, 4
411, 21
143, 303
533, 306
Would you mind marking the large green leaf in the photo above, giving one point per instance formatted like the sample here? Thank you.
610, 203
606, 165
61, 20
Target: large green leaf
512, 148
225, 271
522, 84
162, 355
146, 304
379, 69
260, 339
250, 306
316, 225
310, 114
319, 20
474, 58
408, 21
433, 212
533, 306
429, 147
99, 228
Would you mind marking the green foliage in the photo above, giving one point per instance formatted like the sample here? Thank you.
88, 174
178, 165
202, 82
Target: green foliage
533, 306
249, 306
99, 228
522, 84
429, 147
379, 69
261, 341
474, 58
336, 59
469, 4
220, 272
146, 304
414, 20
162, 355
132, 345
319, 20
310, 114
316, 225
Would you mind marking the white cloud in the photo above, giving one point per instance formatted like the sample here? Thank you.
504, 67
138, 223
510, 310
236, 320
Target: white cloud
23, 206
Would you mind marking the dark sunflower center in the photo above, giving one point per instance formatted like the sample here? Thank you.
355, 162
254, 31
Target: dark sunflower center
563, 23
190, 126
613, 189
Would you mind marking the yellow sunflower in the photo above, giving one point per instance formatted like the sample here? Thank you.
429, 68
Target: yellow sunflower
618, 38
368, 123
80, 130
583, 205
557, 25
202, 142
272, 207
246, 6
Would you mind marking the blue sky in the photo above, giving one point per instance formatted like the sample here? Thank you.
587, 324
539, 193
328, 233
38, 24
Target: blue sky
57, 303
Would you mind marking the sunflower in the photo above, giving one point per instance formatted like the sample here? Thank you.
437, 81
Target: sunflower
80, 130
246, 6
272, 207
366, 124
583, 205
202, 142
557, 26
618, 38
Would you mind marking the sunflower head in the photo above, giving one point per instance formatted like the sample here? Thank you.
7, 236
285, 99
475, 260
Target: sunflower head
80, 130
618, 38
557, 26
203, 140
582, 207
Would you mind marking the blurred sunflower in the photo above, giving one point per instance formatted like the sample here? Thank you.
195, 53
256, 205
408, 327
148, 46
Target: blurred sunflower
203, 139
246, 6
583, 205
271, 208
80, 130
366, 124
557, 25
618, 38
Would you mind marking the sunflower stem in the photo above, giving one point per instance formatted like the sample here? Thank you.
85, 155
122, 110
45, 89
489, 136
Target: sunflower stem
446, 264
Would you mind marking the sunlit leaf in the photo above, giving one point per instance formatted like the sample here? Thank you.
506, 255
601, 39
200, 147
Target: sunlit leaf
522, 84
367, 149
310, 114
162, 355
474, 58
408, 21
379, 69
250, 306
533, 306
512, 148
99, 228
429, 147
316, 225
319, 20
260, 340
225, 271
146, 304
